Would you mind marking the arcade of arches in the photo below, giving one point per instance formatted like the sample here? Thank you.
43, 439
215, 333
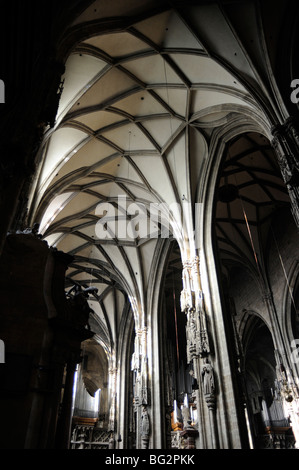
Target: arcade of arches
149, 239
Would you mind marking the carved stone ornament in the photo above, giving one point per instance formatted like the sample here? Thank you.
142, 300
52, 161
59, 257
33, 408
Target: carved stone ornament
34, 231
191, 335
208, 379
197, 336
192, 305
286, 145
144, 428
136, 358
140, 366
186, 298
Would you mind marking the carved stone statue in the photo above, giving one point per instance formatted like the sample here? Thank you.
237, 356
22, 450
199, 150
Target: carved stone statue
144, 395
191, 335
144, 428
203, 342
136, 357
208, 380
135, 363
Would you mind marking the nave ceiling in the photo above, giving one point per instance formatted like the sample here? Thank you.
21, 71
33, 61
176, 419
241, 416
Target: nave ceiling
147, 89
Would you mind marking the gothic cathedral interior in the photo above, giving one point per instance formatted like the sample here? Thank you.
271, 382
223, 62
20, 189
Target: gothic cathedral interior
149, 198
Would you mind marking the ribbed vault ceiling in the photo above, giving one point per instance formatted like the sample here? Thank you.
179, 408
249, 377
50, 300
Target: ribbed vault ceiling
250, 193
140, 102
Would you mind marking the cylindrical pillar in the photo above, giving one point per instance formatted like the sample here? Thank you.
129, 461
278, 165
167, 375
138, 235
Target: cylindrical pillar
65, 418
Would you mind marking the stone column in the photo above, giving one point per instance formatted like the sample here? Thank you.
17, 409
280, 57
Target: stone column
209, 389
199, 400
48, 433
198, 347
287, 391
64, 425
141, 395
45, 407
286, 145
112, 374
